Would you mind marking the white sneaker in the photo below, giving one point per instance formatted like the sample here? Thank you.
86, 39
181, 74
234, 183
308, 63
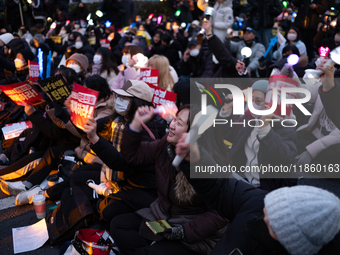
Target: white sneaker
12, 188
26, 197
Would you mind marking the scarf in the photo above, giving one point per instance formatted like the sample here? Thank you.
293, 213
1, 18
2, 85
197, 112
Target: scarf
96, 69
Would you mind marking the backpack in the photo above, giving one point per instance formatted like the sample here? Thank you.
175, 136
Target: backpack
75, 212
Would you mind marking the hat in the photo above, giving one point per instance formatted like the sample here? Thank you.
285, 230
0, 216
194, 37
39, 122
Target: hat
27, 54
192, 42
304, 218
81, 59
133, 30
135, 88
249, 29
195, 22
261, 85
6, 38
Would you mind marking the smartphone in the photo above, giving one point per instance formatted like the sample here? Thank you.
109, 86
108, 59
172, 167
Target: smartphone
158, 226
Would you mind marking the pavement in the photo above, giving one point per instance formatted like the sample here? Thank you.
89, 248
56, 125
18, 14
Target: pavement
13, 216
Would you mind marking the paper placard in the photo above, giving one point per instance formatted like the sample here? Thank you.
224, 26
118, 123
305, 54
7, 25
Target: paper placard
162, 96
149, 76
22, 93
83, 102
104, 43
56, 88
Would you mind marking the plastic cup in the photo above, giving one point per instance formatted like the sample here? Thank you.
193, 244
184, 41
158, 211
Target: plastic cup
40, 206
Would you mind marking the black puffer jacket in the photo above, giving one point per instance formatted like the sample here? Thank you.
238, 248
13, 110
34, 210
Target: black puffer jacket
262, 13
143, 176
200, 66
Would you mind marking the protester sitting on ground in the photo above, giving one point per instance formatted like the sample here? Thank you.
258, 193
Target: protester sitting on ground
195, 228
270, 144
105, 65
129, 70
229, 66
21, 66
317, 138
79, 63
257, 51
165, 71
20, 162
135, 188
291, 220
293, 37
63, 130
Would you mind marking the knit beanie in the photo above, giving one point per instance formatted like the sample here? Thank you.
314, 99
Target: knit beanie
81, 59
27, 54
260, 85
304, 218
6, 38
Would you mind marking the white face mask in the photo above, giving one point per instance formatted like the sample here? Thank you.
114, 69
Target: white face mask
214, 59
291, 36
257, 107
18, 63
76, 26
78, 45
74, 67
97, 59
125, 59
62, 32
121, 106
194, 52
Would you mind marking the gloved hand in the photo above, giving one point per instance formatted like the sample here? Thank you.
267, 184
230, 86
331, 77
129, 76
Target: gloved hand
175, 233
262, 62
287, 71
61, 113
304, 158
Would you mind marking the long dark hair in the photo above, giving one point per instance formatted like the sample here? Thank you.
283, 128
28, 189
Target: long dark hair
96, 82
108, 61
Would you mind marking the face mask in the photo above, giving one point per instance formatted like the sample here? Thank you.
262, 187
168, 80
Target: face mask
62, 32
257, 107
125, 59
337, 39
97, 59
78, 45
121, 106
18, 63
76, 26
194, 52
74, 67
291, 37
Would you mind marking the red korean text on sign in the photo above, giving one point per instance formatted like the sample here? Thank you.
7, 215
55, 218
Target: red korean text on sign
22, 93
83, 103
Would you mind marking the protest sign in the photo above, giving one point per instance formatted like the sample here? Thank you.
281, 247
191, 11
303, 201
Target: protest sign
162, 96
104, 43
279, 82
83, 103
56, 39
22, 93
13, 130
92, 40
149, 76
55, 88
34, 69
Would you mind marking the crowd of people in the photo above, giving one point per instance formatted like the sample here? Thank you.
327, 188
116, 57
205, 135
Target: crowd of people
127, 145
